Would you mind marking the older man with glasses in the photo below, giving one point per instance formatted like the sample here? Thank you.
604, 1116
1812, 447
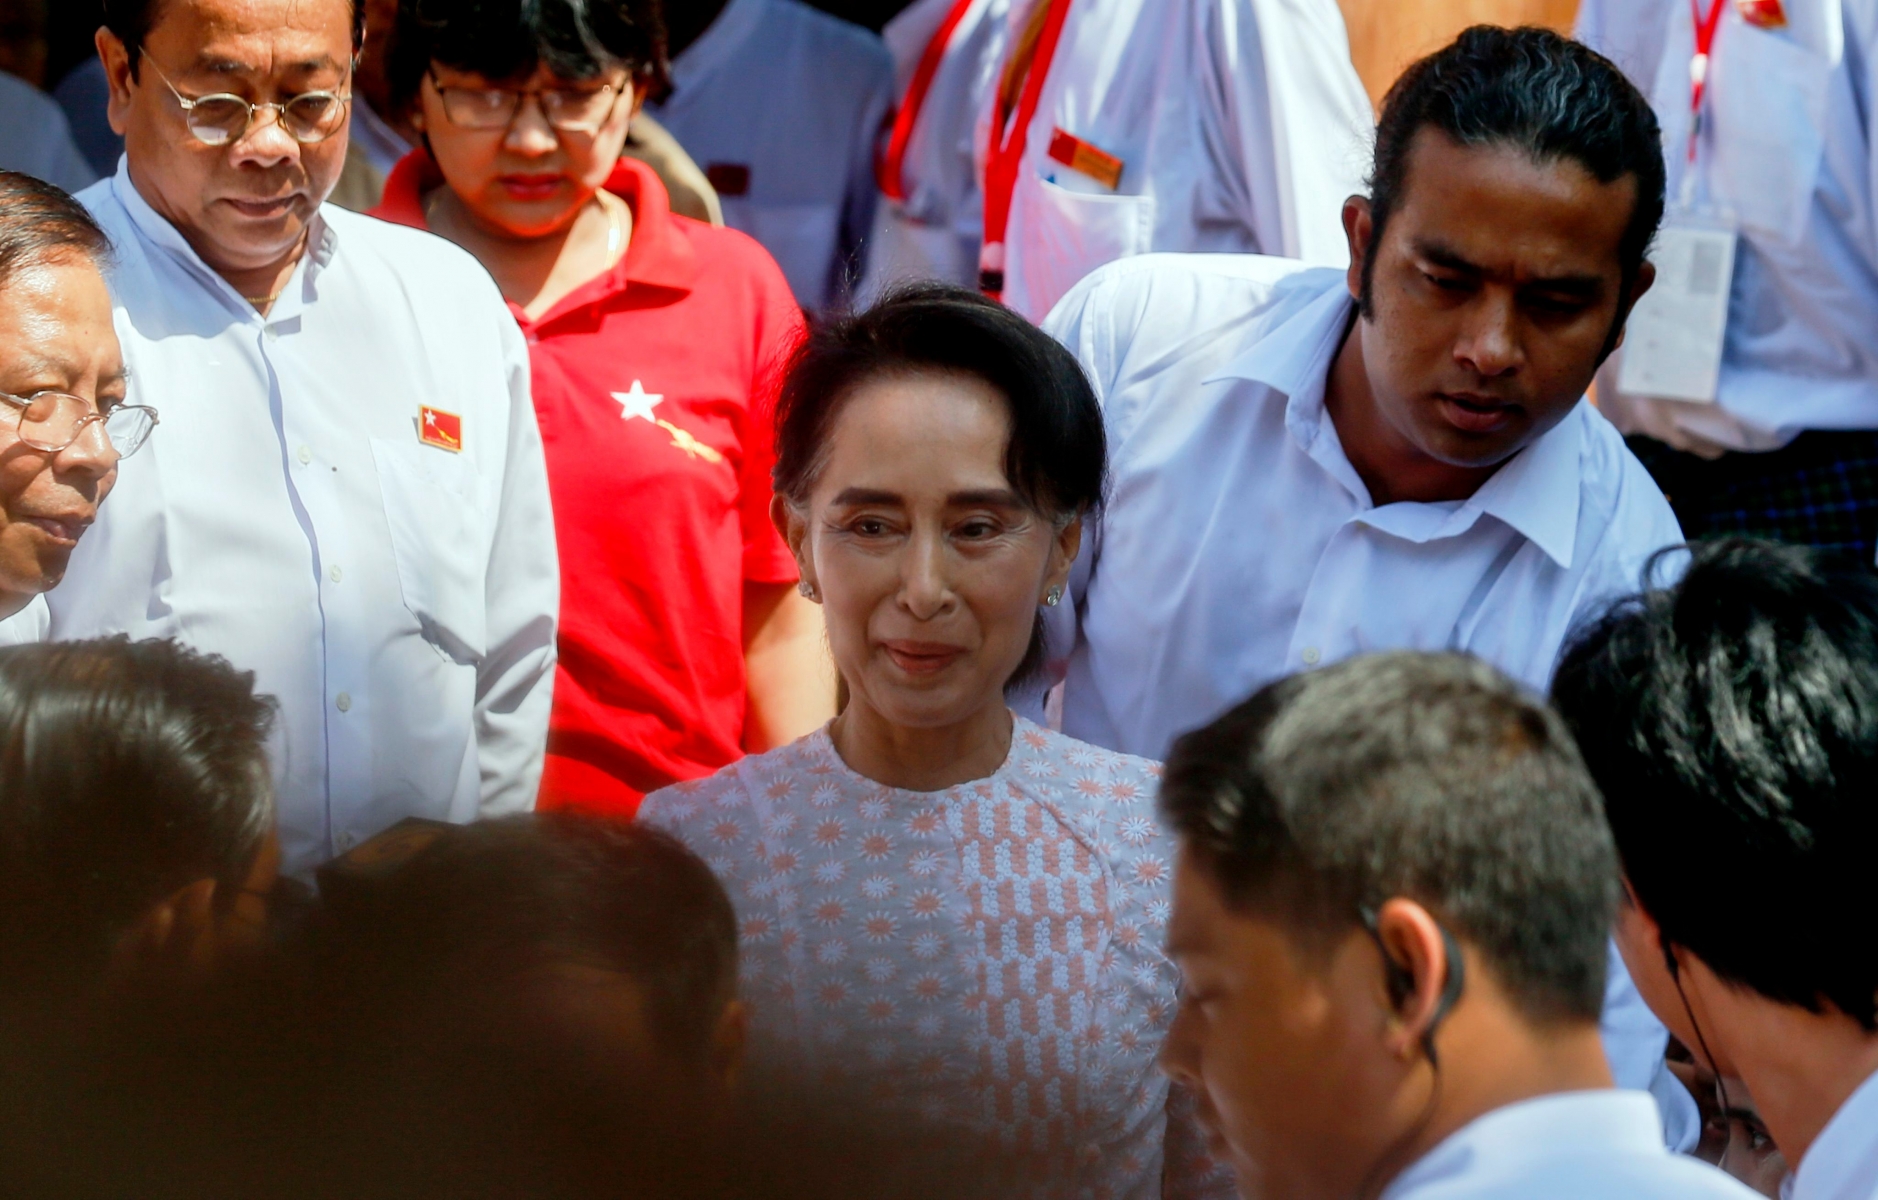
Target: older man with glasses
347, 496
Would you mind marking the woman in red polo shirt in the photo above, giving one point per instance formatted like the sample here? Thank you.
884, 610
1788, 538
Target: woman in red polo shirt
655, 342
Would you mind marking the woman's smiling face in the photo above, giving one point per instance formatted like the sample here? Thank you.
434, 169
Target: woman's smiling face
930, 565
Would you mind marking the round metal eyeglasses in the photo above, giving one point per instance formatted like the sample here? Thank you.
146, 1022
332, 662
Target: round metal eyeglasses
51, 421
224, 117
575, 110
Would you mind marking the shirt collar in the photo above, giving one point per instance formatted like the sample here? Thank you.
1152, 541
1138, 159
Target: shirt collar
1536, 492
1555, 1128
157, 231
1843, 1159
716, 44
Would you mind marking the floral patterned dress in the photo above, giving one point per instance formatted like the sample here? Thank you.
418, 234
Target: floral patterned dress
988, 955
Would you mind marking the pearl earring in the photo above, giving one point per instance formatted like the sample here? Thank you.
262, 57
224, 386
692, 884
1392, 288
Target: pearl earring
808, 590
1053, 597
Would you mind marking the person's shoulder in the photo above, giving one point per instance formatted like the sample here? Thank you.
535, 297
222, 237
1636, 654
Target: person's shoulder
721, 249
1087, 770
429, 269
1618, 493
1176, 296
831, 34
692, 808
20, 100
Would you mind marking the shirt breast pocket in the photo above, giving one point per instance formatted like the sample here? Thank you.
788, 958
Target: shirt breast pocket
437, 535
1071, 233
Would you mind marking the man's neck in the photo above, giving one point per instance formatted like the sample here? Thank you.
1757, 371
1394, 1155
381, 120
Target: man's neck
1800, 1066
1492, 1058
1390, 466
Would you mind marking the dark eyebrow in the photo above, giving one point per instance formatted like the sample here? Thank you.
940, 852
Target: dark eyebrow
228, 66
1450, 259
985, 498
852, 496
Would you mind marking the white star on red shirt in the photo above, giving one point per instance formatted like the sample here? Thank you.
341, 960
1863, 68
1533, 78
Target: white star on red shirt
638, 403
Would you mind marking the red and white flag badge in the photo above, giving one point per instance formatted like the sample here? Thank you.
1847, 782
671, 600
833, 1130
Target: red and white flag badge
441, 429
1763, 14
1086, 157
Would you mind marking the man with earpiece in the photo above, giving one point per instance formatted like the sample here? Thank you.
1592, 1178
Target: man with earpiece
1390, 910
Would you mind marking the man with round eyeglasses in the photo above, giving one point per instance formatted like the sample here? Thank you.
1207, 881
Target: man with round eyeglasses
64, 425
347, 496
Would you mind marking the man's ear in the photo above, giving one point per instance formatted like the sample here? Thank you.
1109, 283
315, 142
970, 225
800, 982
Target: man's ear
1358, 226
1415, 974
175, 936
794, 528
117, 75
1646, 278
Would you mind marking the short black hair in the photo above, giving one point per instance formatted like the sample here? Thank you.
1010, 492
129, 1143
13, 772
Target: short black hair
488, 904
128, 770
1731, 721
1057, 459
509, 39
132, 20
39, 221
1431, 777
1529, 88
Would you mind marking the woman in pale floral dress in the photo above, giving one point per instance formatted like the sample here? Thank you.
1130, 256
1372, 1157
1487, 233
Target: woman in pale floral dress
950, 911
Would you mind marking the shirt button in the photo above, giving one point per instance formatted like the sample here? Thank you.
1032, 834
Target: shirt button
1311, 656
305, 456
336, 573
272, 333
343, 702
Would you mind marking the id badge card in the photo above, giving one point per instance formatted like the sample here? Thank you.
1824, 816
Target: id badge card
1673, 341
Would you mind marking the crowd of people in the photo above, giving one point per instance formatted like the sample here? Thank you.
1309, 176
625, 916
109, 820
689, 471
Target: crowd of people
1037, 607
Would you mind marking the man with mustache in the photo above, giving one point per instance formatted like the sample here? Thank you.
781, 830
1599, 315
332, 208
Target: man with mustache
1310, 464
348, 498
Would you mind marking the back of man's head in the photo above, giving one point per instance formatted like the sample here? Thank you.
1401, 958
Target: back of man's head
1731, 722
530, 1005
128, 771
1428, 777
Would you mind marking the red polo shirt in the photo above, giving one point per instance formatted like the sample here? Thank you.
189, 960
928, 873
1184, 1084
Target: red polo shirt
653, 385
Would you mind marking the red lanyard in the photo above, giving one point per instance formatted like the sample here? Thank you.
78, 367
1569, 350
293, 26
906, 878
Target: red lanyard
1007, 151
892, 184
1705, 29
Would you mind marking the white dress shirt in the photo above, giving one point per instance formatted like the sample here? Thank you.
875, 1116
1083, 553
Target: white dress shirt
781, 105
26, 626
1788, 151
1241, 126
1842, 1162
935, 231
36, 139
1568, 1146
398, 599
1239, 545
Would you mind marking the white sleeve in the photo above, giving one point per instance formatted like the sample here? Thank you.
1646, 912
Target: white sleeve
1289, 119
515, 680
28, 625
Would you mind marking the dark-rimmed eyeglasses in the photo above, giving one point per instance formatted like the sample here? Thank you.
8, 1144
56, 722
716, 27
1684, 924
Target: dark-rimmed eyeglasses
224, 117
575, 110
51, 421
